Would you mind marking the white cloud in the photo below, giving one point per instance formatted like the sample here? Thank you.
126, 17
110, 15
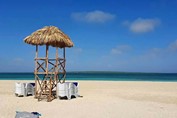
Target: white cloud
120, 49
93, 17
173, 46
18, 61
77, 50
153, 54
161, 52
73, 55
141, 25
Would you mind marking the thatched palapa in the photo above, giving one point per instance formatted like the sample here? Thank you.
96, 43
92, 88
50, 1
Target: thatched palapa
49, 35
49, 71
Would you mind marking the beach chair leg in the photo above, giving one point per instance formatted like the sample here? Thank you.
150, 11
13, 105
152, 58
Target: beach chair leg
16, 94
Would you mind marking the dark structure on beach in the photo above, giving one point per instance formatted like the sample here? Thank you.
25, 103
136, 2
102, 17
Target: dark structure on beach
49, 71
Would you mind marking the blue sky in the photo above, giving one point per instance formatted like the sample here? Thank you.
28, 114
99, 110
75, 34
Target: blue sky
109, 35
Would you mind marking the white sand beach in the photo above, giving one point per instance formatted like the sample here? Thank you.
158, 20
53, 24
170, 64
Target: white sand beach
101, 99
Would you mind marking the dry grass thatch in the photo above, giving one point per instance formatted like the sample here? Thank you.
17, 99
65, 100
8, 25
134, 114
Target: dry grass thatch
49, 35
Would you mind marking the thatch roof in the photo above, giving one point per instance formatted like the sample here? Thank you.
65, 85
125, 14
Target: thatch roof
49, 35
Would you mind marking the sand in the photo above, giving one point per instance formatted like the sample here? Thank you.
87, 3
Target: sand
101, 99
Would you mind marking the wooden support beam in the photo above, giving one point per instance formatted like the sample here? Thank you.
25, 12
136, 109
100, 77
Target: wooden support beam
40, 66
36, 71
56, 68
52, 70
64, 56
46, 61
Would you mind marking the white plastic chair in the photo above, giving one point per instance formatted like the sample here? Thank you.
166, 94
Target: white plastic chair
24, 89
29, 88
20, 89
67, 89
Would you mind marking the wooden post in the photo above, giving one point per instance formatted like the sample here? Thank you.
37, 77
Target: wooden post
64, 57
64, 62
64, 53
46, 71
50, 90
46, 60
35, 72
56, 70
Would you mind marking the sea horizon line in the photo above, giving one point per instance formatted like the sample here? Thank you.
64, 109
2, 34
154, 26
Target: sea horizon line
111, 72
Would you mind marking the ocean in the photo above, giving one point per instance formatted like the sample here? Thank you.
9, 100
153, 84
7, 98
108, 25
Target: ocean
100, 76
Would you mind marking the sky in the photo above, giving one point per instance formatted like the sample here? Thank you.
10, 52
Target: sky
108, 35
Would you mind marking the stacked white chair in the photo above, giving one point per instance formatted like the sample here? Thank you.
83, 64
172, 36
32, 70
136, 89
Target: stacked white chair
63, 90
67, 89
20, 89
24, 89
75, 89
29, 88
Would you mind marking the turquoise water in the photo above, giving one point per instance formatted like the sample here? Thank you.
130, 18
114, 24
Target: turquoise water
103, 76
